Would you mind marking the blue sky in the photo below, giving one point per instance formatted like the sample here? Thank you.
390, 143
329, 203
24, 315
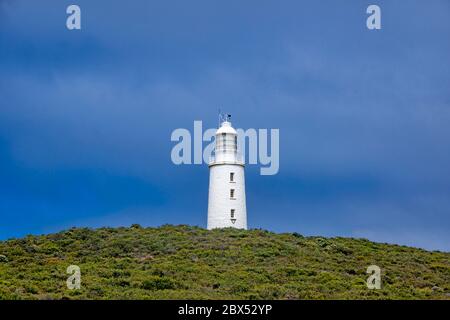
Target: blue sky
86, 116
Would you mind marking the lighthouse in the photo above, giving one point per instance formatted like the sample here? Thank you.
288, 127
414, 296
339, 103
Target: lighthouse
226, 200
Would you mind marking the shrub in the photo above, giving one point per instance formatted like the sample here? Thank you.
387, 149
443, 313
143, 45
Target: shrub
182, 262
158, 283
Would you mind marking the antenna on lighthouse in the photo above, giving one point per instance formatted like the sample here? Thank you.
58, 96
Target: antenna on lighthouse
224, 117
220, 118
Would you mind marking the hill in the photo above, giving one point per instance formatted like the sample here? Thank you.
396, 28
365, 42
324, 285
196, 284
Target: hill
181, 262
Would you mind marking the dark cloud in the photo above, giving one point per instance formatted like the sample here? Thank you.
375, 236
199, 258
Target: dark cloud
363, 116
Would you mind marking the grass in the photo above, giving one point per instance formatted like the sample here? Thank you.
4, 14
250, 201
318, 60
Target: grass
184, 262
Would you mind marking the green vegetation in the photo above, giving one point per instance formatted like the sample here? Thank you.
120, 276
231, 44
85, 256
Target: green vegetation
183, 262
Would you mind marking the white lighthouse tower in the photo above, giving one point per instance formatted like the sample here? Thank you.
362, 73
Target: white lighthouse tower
226, 203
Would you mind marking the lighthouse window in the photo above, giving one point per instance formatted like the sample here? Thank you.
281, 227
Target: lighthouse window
231, 176
232, 193
232, 213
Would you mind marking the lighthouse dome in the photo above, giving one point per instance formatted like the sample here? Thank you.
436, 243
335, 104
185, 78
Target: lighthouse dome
226, 127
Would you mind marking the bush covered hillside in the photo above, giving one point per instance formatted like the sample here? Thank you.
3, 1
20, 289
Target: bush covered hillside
182, 262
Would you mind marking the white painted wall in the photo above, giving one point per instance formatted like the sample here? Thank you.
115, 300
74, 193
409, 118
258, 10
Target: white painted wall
220, 203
